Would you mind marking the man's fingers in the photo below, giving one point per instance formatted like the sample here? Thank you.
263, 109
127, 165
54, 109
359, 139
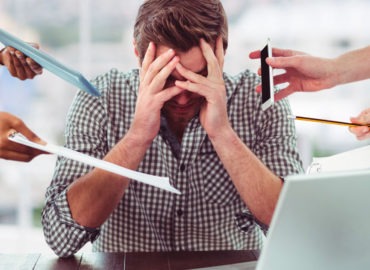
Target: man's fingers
157, 65
160, 79
220, 53
213, 66
169, 93
148, 59
189, 75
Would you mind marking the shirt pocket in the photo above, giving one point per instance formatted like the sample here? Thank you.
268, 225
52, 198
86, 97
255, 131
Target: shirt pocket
216, 184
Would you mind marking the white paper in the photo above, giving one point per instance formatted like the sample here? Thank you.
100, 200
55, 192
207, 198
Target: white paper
356, 159
156, 181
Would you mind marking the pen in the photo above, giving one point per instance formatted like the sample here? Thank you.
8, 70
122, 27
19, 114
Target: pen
324, 121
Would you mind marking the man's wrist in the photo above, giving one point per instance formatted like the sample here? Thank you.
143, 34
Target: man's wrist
135, 139
224, 134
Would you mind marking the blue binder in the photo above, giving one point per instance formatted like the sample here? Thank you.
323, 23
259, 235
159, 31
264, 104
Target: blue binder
49, 63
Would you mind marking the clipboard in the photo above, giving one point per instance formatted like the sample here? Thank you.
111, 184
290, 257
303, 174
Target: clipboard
49, 63
156, 181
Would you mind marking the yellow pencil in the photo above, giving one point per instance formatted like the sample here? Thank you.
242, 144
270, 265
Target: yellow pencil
324, 121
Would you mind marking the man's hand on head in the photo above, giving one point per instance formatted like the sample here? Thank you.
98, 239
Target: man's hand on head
213, 114
152, 92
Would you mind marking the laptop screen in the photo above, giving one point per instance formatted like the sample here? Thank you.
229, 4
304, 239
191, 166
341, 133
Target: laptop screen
322, 221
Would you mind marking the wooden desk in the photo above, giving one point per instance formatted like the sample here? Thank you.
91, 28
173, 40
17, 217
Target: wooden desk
126, 261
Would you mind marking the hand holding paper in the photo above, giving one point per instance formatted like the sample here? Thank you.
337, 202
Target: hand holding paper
156, 181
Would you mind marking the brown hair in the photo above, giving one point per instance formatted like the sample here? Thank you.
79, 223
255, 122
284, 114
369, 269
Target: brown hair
179, 24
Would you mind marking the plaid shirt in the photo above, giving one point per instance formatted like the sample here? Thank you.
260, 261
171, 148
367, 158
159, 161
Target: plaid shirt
209, 214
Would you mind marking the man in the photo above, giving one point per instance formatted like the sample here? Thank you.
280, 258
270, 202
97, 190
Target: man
21, 67
308, 73
179, 116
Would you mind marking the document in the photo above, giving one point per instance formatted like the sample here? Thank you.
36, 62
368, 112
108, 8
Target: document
356, 159
156, 181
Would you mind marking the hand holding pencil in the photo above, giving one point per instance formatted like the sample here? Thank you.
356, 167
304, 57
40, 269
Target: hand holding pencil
360, 125
361, 132
325, 121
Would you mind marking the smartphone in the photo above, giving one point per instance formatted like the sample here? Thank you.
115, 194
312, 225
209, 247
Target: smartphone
267, 79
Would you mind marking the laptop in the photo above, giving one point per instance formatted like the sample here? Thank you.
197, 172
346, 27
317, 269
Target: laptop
321, 222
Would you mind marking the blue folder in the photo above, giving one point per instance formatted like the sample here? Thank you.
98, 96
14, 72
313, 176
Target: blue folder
49, 63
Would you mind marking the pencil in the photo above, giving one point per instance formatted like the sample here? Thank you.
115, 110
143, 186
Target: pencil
324, 121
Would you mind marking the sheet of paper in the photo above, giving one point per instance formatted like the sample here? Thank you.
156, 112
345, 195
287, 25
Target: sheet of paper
156, 181
356, 159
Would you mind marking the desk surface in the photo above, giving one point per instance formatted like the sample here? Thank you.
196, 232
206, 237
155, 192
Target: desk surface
127, 261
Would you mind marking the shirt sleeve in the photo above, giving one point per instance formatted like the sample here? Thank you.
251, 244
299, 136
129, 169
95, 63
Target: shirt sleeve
270, 134
277, 141
84, 133
64, 236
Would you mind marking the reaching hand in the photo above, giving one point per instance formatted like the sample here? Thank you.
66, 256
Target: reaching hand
363, 118
18, 64
11, 150
302, 71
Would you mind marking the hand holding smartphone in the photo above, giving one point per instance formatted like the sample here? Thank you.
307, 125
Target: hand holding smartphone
267, 79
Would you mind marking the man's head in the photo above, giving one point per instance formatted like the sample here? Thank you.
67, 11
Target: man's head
179, 24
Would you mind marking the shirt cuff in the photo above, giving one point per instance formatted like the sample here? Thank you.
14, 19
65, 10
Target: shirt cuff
246, 222
64, 214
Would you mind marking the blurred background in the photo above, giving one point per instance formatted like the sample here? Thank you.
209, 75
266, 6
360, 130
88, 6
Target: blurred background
93, 36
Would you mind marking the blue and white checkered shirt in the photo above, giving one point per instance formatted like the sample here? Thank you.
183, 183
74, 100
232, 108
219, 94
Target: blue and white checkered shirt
209, 215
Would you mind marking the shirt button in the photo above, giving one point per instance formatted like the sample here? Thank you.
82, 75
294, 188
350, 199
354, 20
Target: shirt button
180, 213
182, 167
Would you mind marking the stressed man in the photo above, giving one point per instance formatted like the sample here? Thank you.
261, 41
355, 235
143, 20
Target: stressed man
179, 116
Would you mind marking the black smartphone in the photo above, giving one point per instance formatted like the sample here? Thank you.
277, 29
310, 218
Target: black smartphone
267, 79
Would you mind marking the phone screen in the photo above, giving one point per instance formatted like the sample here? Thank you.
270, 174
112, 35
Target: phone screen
267, 80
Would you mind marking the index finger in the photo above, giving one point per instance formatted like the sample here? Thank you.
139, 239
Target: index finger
220, 53
255, 54
213, 66
276, 52
148, 59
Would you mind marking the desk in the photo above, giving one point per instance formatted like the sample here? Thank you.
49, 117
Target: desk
126, 261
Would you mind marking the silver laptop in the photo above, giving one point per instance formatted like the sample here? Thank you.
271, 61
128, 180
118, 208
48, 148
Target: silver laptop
322, 221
